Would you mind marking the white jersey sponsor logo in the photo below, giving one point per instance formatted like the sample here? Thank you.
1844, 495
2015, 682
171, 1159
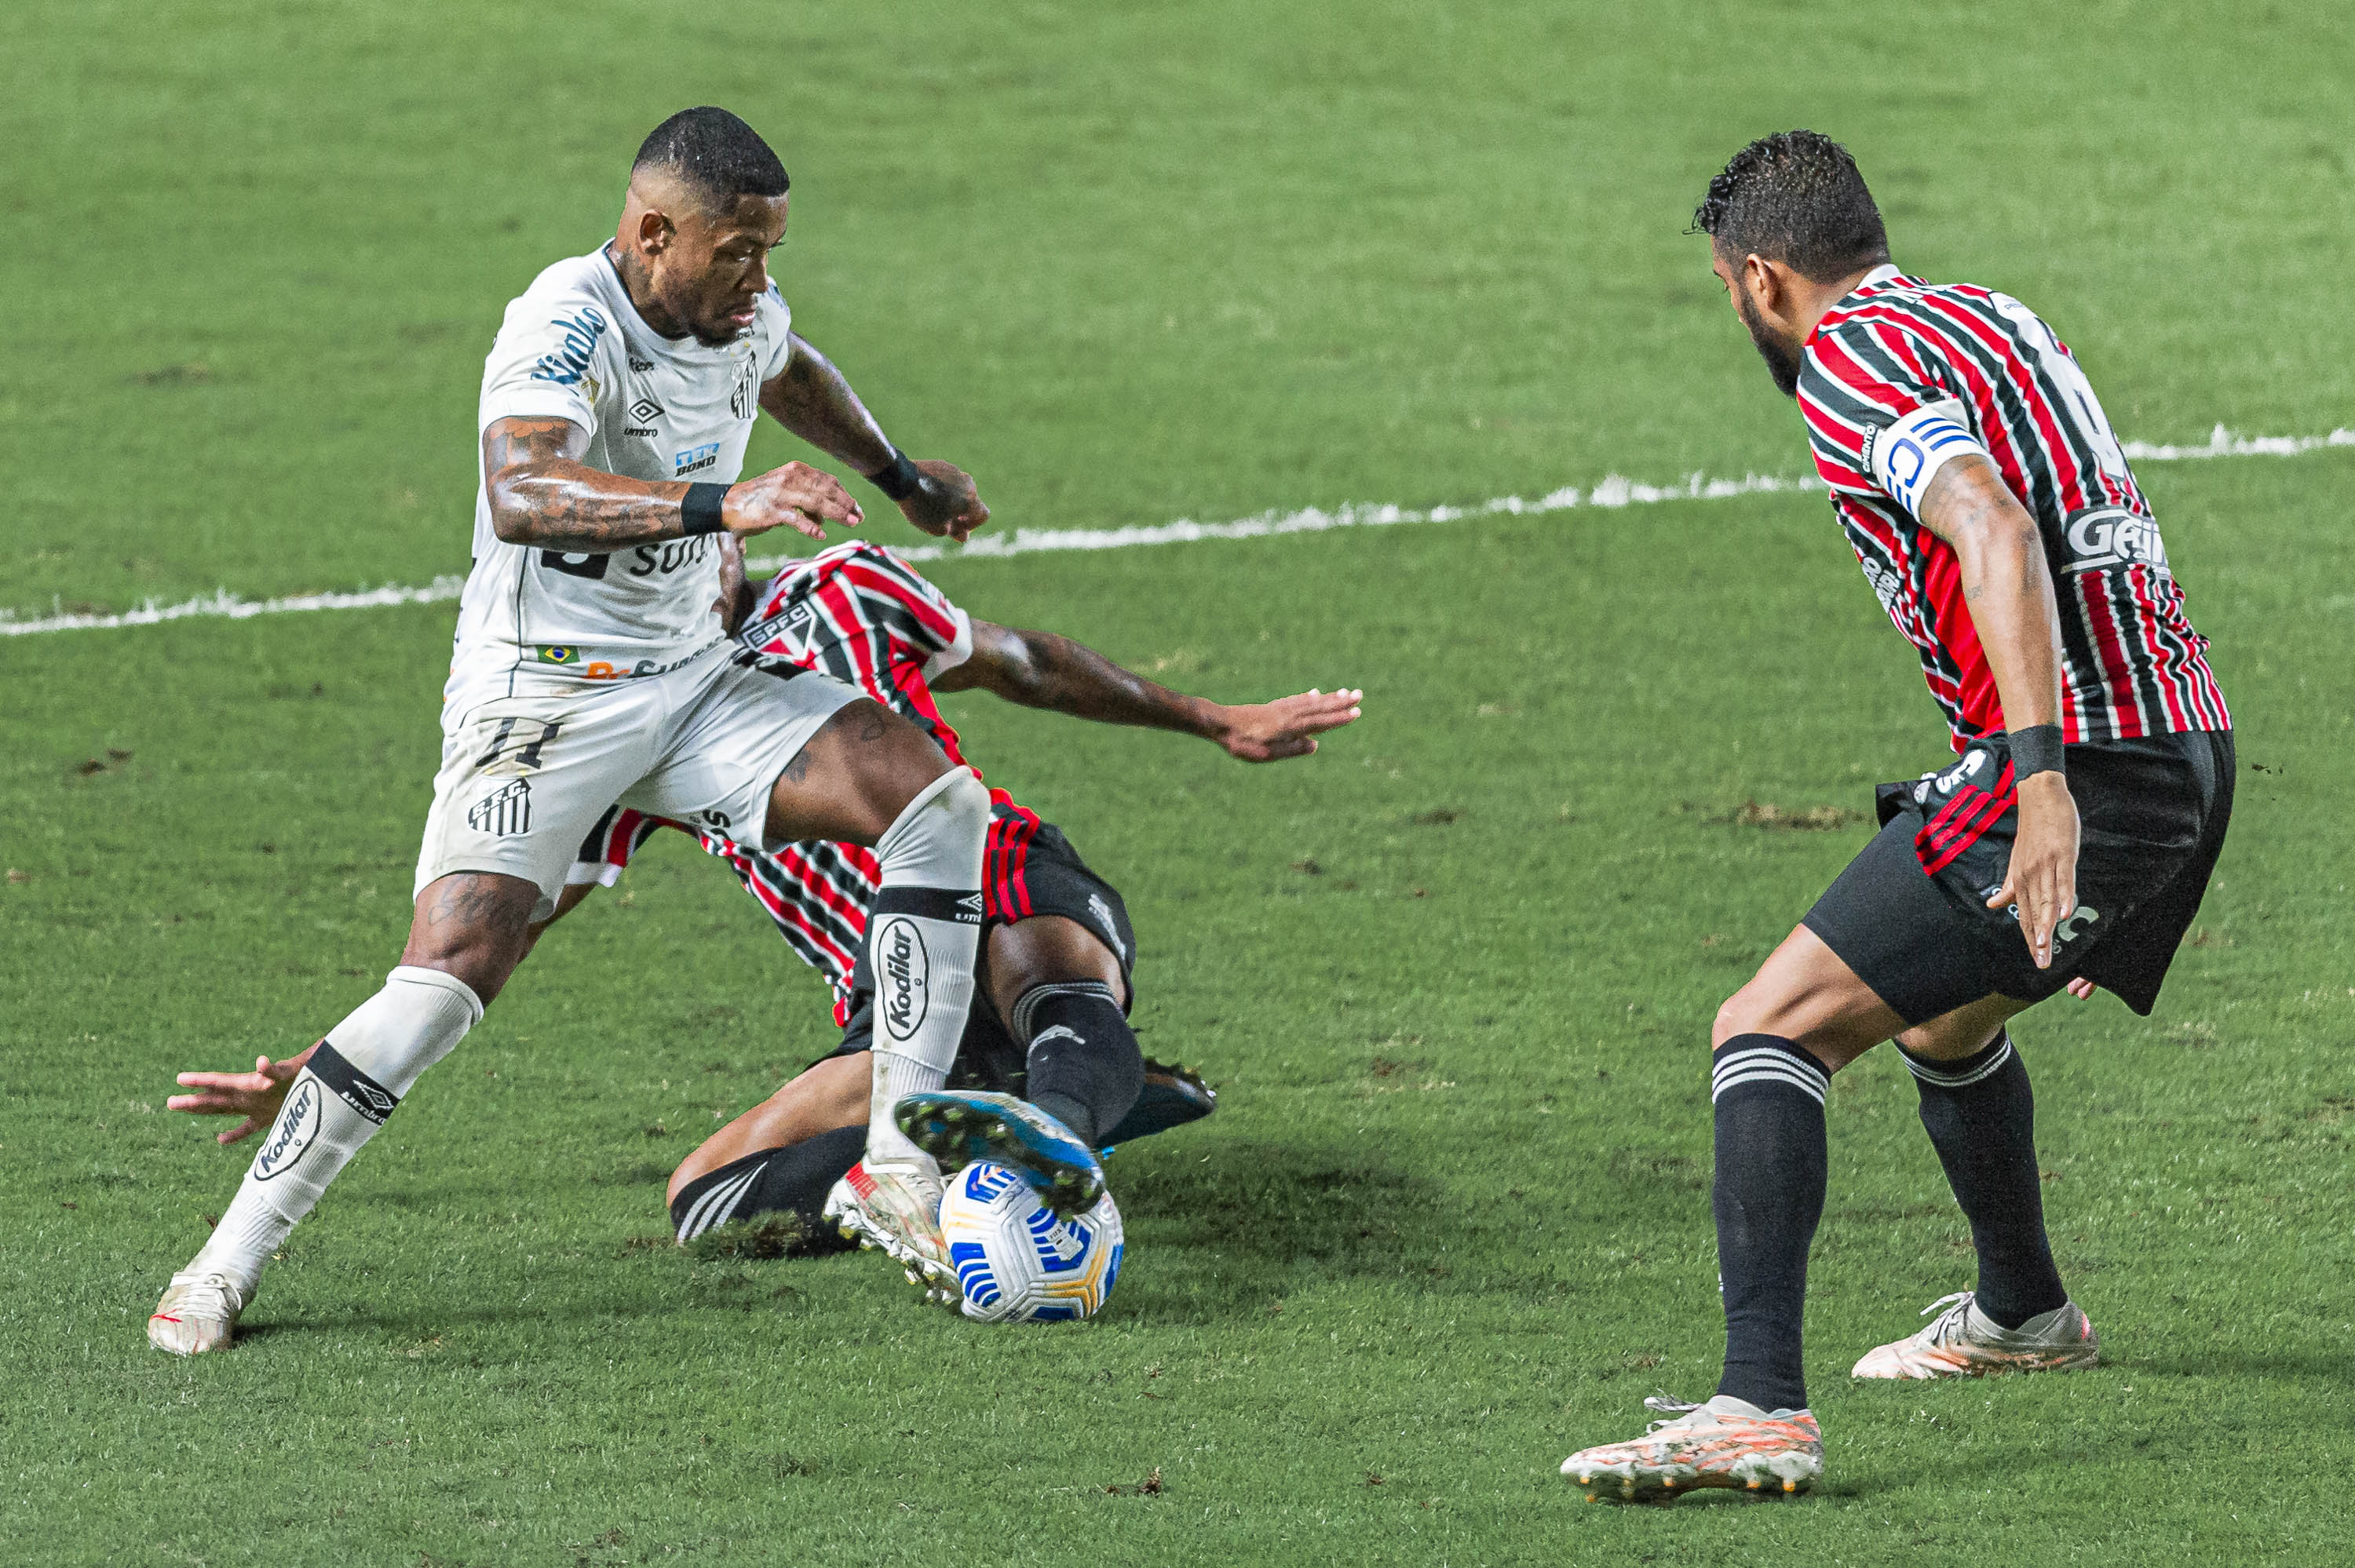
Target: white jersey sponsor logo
2113, 536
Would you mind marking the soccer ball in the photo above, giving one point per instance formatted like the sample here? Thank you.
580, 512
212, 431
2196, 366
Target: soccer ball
1018, 1262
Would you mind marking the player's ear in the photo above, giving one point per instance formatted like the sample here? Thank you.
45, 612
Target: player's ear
654, 232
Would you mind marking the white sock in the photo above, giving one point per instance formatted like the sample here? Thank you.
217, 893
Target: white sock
921, 939
352, 1082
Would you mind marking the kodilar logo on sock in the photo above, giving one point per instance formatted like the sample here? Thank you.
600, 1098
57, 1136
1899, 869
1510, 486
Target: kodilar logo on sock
298, 1123
907, 971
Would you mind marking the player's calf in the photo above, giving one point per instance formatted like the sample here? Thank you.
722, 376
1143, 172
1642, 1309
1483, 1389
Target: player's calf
352, 1082
923, 935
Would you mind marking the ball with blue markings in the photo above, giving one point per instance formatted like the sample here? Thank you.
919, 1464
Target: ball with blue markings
1016, 1260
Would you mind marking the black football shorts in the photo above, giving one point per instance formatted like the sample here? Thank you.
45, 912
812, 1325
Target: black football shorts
1910, 915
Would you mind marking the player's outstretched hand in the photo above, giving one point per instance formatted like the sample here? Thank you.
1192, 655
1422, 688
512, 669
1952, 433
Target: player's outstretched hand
2043, 877
255, 1096
1269, 732
795, 496
947, 504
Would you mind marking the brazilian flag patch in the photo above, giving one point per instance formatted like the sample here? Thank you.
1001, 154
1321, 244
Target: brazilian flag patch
557, 654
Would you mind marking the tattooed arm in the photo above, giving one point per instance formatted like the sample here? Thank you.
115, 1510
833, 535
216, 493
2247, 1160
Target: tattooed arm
1040, 670
543, 495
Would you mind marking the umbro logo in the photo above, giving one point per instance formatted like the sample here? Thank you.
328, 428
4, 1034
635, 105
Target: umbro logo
646, 411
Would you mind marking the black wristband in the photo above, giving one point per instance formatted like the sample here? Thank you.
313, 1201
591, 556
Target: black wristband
901, 480
2037, 750
701, 511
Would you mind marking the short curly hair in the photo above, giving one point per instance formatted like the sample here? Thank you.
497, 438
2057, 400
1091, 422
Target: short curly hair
1794, 198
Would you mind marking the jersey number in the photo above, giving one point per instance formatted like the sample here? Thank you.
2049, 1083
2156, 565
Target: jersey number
528, 758
2066, 373
590, 567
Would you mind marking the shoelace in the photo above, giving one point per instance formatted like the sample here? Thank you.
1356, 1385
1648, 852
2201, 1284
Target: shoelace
1675, 1409
210, 1296
1958, 1307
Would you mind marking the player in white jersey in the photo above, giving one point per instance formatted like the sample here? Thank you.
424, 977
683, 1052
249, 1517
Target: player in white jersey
592, 667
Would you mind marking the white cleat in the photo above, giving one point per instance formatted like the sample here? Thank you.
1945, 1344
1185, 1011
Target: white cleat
1965, 1342
896, 1208
197, 1314
1727, 1442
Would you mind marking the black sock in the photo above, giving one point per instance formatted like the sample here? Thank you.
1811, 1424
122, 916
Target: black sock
1981, 1115
1768, 1096
1085, 1069
794, 1180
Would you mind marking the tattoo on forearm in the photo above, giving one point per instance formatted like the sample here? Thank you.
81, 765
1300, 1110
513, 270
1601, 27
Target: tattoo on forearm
548, 498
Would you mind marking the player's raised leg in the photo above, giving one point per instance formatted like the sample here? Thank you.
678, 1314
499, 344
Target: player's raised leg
869, 777
466, 936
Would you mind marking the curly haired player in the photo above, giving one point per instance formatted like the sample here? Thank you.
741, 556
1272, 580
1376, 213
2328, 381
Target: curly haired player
2067, 845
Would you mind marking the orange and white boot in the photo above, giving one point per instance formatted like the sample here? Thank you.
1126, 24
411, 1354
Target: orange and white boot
1967, 1342
1728, 1443
896, 1209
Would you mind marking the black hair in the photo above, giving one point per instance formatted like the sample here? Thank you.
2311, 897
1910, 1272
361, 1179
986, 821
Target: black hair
1794, 198
715, 151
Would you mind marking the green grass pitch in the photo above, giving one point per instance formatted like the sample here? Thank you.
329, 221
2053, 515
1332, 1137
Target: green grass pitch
1453, 975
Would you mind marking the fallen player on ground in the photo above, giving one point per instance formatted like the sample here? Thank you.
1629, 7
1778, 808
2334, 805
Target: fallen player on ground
1048, 1025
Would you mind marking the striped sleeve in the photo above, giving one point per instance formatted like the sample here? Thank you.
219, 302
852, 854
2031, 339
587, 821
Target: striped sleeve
1883, 410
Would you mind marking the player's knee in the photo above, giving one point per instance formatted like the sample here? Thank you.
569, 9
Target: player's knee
1737, 1015
942, 822
475, 926
1044, 950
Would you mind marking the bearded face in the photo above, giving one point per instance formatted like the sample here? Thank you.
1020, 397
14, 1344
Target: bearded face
1782, 358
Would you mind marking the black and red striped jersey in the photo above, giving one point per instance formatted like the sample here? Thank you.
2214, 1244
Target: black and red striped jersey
861, 614
1902, 371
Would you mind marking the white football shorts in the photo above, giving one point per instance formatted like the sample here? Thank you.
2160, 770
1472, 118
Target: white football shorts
524, 777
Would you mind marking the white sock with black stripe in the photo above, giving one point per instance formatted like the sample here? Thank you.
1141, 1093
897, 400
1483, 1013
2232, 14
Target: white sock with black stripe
922, 936
352, 1082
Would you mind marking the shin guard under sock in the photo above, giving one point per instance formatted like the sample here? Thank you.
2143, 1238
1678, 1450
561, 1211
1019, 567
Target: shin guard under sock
923, 935
1084, 1067
1980, 1114
352, 1082
1767, 1196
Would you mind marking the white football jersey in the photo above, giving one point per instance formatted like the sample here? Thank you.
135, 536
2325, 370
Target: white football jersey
573, 347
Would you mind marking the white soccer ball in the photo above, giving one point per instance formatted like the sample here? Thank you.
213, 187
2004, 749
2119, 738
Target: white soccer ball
1018, 1262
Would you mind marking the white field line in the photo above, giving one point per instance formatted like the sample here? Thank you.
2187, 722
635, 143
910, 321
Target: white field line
1613, 491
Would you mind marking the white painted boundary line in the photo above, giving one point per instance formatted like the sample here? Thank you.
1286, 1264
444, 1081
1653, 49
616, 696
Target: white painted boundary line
1613, 491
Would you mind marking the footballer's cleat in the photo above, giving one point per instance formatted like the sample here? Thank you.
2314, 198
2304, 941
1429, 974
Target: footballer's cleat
1965, 1342
1727, 1442
199, 1313
896, 1209
961, 1126
1172, 1097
